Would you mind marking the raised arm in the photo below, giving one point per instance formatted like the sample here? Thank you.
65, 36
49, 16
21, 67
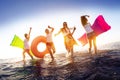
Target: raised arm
51, 28
30, 30
58, 33
73, 30
29, 33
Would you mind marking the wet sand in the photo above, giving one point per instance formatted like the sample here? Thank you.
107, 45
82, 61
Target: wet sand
103, 66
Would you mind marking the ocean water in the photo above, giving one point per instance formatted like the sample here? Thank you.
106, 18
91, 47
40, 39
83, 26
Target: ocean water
83, 66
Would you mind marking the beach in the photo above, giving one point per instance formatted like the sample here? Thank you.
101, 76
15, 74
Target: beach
102, 66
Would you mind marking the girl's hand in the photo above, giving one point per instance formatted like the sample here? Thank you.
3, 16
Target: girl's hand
30, 28
74, 28
49, 26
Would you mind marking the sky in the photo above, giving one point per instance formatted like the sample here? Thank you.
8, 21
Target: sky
16, 16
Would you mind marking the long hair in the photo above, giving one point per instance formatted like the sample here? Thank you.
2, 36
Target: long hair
65, 24
84, 20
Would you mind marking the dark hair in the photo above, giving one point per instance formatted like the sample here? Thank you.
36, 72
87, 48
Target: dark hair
84, 20
46, 31
65, 23
25, 34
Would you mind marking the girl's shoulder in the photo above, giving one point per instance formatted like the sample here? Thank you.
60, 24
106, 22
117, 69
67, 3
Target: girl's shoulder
88, 24
61, 29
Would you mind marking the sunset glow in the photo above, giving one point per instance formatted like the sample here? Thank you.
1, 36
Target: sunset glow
39, 15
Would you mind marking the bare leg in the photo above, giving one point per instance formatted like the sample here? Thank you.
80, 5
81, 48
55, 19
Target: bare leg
24, 55
53, 48
90, 45
30, 55
94, 43
72, 52
67, 48
70, 55
51, 54
28, 51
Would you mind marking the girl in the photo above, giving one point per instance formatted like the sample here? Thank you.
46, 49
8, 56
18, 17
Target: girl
69, 41
49, 42
26, 45
90, 33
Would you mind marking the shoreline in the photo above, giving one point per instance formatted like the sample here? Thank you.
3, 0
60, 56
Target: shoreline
104, 66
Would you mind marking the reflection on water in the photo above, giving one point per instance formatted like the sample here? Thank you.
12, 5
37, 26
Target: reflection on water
81, 67
34, 69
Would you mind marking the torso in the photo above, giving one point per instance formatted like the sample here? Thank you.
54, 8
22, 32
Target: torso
88, 28
65, 31
26, 44
49, 37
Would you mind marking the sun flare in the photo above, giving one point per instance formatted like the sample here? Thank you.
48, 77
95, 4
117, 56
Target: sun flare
59, 43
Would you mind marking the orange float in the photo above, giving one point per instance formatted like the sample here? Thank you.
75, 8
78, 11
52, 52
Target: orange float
34, 44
